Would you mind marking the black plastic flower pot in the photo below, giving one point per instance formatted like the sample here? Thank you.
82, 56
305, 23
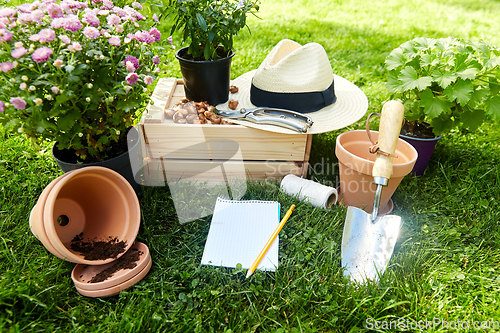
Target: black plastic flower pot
120, 164
205, 80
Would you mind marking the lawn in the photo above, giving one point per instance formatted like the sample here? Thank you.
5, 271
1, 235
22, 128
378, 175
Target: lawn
444, 273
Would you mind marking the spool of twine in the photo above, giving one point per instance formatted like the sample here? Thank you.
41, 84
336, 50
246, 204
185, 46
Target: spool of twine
317, 194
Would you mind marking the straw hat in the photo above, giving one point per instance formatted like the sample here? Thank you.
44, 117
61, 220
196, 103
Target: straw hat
300, 78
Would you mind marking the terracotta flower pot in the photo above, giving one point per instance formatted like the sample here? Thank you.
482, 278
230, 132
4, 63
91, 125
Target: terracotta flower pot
355, 168
93, 202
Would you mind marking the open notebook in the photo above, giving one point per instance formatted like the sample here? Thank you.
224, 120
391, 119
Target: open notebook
238, 232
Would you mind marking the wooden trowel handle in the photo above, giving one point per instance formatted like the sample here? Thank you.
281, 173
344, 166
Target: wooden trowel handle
391, 121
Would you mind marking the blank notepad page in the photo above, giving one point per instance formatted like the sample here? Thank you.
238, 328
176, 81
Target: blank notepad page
239, 231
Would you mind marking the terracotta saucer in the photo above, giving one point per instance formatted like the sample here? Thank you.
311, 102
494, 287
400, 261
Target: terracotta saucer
118, 288
384, 211
82, 273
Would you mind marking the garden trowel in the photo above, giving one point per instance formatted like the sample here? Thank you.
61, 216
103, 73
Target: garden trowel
368, 239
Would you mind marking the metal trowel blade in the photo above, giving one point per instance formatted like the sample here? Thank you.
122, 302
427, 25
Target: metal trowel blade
367, 245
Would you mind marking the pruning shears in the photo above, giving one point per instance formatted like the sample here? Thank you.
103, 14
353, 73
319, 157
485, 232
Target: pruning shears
271, 116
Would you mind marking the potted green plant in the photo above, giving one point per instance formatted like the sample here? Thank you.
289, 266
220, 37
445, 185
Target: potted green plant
443, 83
209, 27
76, 73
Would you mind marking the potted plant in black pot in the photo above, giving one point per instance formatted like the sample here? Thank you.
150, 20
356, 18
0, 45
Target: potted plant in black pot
76, 74
444, 84
209, 27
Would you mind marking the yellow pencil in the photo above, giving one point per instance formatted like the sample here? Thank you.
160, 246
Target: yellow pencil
270, 241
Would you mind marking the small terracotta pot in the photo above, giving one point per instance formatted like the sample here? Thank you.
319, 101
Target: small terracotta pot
95, 201
356, 164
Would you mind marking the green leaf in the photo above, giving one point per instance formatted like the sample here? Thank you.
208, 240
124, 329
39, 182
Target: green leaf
433, 105
67, 121
395, 59
410, 79
393, 84
469, 73
460, 91
444, 80
69, 68
428, 60
478, 96
493, 107
201, 21
472, 120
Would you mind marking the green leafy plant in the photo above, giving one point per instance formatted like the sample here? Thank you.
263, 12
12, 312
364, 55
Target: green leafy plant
208, 24
75, 72
446, 82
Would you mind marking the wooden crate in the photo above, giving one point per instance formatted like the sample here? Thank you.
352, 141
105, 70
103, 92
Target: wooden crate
199, 152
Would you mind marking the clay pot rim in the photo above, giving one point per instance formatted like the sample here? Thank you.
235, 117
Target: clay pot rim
113, 281
39, 206
399, 170
49, 225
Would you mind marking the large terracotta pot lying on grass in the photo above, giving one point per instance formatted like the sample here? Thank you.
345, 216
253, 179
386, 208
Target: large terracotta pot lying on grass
93, 203
356, 165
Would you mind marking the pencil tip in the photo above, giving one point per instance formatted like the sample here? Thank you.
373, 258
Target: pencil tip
249, 273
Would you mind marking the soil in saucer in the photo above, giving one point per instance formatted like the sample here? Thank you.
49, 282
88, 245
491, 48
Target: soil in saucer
98, 249
127, 261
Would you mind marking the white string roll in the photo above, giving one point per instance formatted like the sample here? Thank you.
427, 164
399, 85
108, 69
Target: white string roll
317, 194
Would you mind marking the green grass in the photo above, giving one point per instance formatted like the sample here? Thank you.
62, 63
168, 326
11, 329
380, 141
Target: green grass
445, 265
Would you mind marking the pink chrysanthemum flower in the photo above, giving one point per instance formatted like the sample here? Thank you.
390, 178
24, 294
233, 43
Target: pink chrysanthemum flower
91, 32
156, 60
107, 4
37, 15
132, 78
57, 23
115, 41
65, 39
24, 18
19, 52
91, 19
75, 47
5, 36
54, 90
54, 10
133, 60
46, 35
137, 5
58, 63
155, 34
114, 19
7, 12
18, 103
72, 23
144, 37
6, 66
119, 11
130, 67
2, 106
34, 38
41, 54
148, 79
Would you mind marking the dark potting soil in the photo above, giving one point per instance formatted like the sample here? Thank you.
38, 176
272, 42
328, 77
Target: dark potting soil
417, 130
127, 261
95, 249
